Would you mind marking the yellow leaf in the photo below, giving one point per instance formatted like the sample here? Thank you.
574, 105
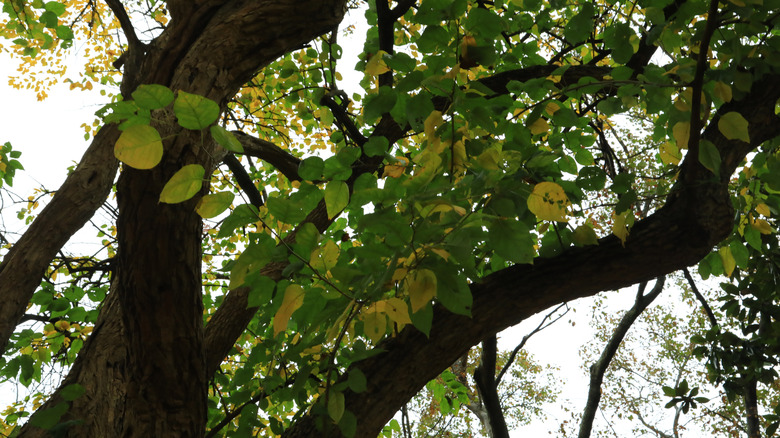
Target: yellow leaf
734, 127
728, 260
139, 146
325, 257
397, 310
549, 202
292, 301
376, 66
374, 325
459, 158
62, 325
441, 253
763, 210
552, 107
669, 153
422, 288
539, 126
681, 133
722, 91
762, 226
433, 121
739, 3
184, 184
621, 223
396, 169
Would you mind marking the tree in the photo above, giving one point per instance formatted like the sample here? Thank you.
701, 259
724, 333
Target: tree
458, 197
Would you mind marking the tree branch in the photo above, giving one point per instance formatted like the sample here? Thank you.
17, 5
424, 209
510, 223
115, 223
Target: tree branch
244, 180
700, 297
282, 160
598, 369
484, 377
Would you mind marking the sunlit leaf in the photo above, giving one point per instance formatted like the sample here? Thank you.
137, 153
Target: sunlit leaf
214, 204
184, 184
421, 284
195, 112
335, 405
374, 325
226, 139
152, 96
681, 133
669, 153
722, 91
376, 65
549, 202
336, 197
728, 260
139, 146
539, 126
292, 301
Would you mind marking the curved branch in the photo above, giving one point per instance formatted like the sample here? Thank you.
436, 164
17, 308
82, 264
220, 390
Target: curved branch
282, 160
598, 369
244, 180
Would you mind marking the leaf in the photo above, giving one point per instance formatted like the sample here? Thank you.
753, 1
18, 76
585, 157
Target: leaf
292, 301
669, 153
139, 146
762, 226
226, 139
376, 146
374, 325
549, 202
681, 133
722, 91
356, 381
214, 204
579, 27
621, 223
72, 392
336, 197
709, 157
195, 112
335, 405
728, 260
376, 65
152, 96
184, 184
584, 235
311, 168
539, 126
397, 310
421, 284
48, 418
734, 127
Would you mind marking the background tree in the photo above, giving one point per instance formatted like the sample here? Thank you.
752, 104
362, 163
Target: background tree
454, 197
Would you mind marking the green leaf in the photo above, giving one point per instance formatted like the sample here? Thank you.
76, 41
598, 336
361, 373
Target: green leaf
242, 215
226, 139
72, 392
584, 235
335, 405
195, 112
55, 7
311, 168
214, 204
580, 26
709, 157
336, 197
512, 240
734, 127
152, 96
356, 381
48, 418
139, 146
617, 37
64, 33
184, 184
285, 210
376, 146
379, 103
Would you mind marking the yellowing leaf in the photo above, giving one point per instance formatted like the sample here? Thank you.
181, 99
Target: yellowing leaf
681, 133
549, 202
397, 310
374, 325
184, 184
292, 301
728, 260
551, 107
441, 253
621, 223
669, 153
489, 159
214, 204
226, 139
376, 66
139, 146
763, 210
195, 112
584, 235
539, 126
433, 121
722, 91
421, 284
397, 169
336, 197
62, 325
325, 257
734, 127
762, 226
